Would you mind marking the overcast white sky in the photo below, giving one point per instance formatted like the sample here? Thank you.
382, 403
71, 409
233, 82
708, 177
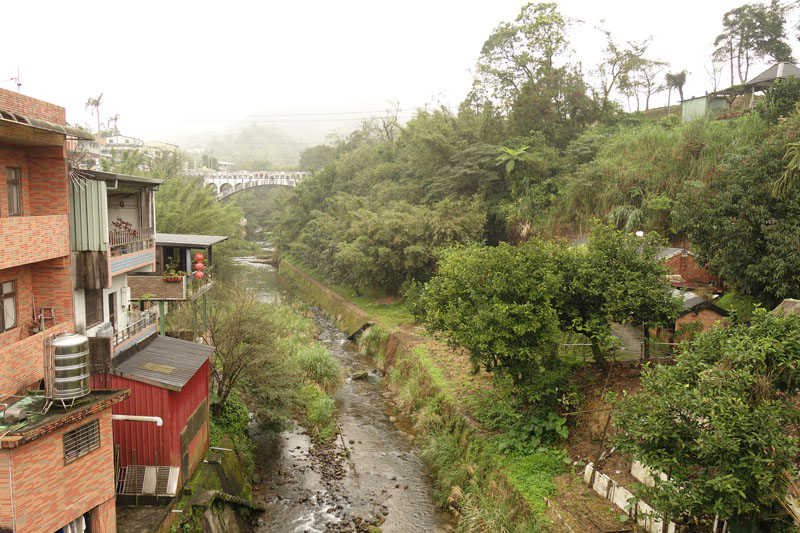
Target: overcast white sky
172, 68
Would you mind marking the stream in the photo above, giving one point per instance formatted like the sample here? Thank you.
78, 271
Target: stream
370, 476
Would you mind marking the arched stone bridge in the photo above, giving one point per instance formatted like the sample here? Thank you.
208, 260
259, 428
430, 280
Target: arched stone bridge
228, 183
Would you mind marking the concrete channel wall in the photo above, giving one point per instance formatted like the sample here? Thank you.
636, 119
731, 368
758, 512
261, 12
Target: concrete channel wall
350, 318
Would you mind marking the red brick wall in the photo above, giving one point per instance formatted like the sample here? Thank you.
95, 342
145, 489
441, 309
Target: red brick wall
5, 490
31, 107
104, 518
49, 494
52, 287
22, 363
687, 267
46, 184
707, 317
141, 285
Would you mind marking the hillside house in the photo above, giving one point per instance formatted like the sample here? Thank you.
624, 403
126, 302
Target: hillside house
112, 229
685, 273
57, 464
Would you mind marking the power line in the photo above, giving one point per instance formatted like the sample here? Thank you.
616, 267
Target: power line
305, 114
255, 121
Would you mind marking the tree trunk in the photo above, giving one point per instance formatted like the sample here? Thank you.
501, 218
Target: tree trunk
669, 97
646, 342
597, 354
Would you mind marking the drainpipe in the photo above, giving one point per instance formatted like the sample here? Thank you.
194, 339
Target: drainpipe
156, 419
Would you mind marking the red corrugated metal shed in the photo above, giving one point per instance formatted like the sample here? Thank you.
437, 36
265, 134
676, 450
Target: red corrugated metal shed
144, 443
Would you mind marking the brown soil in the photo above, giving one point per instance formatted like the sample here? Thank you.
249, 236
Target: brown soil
583, 510
586, 428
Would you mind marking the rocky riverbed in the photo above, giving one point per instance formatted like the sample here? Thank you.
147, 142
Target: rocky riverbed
369, 479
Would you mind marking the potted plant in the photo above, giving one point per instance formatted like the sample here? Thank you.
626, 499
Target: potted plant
171, 272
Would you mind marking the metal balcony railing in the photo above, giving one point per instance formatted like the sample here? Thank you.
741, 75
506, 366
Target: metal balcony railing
129, 241
143, 323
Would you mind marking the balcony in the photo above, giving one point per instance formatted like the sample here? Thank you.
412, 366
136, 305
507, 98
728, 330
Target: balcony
131, 249
126, 241
156, 286
26, 240
140, 326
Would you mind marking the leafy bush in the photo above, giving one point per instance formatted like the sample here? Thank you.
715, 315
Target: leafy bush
320, 366
233, 420
780, 99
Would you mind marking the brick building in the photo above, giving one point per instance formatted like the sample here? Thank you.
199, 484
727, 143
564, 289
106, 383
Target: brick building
56, 468
686, 273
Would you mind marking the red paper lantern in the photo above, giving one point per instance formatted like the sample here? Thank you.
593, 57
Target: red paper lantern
199, 275
199, 266
198, 257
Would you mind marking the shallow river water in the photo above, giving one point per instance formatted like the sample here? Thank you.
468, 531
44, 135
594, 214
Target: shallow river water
372, 474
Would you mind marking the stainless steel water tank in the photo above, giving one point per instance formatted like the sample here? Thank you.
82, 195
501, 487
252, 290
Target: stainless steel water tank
68, 367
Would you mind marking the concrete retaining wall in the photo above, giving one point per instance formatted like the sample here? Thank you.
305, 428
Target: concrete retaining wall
644, 515
350, 318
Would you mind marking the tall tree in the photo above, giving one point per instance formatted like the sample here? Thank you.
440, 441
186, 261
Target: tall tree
750, 33
520, 52
675, 81
94, 104
617, 63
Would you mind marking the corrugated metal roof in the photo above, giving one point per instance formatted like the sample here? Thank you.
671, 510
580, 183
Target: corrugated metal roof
113, 176
776, 71
188, 241
16, 118
667, 253
165, 362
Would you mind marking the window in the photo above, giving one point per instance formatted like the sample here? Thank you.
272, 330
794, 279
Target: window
14, 180
94, 306
8, 303
81, 440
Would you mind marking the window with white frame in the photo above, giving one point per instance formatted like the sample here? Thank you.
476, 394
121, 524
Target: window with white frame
8, 305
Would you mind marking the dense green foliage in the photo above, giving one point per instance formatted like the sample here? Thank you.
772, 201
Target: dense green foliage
721, 422
506, 304
747, 234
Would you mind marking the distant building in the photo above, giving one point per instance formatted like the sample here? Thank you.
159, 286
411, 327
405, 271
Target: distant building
702, 106
685, 273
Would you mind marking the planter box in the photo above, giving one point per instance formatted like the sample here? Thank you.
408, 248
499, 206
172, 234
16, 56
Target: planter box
159, 288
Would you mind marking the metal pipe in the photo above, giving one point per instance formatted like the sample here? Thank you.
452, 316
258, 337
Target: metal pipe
135, 418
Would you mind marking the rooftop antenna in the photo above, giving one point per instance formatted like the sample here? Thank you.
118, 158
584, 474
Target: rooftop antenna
16, 80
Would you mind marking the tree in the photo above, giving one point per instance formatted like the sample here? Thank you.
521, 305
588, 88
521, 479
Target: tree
752, 32
675, 81
615, 67
494, 302
649, 71
518, 53
615, 277
246, 335
720, 422
185, 205
94, 103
